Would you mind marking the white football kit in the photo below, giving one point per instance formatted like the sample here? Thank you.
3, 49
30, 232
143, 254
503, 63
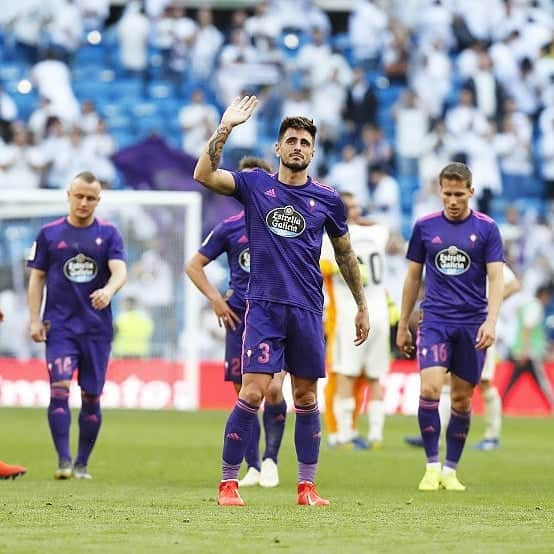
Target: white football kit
373, 356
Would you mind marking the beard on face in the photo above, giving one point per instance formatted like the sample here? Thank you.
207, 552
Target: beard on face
295, 166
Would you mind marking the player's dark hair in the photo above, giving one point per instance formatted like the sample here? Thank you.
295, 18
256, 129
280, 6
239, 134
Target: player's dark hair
86, 176
253, 162
297, 122
456, 171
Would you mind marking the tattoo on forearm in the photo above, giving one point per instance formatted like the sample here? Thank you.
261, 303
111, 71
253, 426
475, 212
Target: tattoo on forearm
350, 270
215, 146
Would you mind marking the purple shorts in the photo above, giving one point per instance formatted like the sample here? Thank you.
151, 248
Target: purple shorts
88, 355
453, 347
279, 336
233, 350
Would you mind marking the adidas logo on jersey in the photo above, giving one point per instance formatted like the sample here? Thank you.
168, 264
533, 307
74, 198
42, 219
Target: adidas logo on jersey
270, 193
62, 244
437, 240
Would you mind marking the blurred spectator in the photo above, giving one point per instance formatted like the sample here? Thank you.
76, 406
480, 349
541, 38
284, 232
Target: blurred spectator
8, 113
396, 55
361, 104
367, 24
39, 117
350, 175
133, 331
198, 120
412, 122
72, 156
93, 13
384, 193
133, 30
376, 148
65, 29
207, 43
21, 163
52, 78
487, 91
89, 117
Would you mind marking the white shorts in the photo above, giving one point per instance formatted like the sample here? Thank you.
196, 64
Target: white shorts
490, 365
372, 358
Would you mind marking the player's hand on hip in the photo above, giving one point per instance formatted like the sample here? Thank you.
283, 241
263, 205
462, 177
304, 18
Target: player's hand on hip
101, 298
38, 330
485, 335
362, 327
226, 317
404, 341
239, 110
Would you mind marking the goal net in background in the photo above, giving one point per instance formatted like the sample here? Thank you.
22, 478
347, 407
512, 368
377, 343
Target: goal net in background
161, 230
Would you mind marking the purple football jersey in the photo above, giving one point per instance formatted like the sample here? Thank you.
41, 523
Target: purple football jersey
75, 260
230, 237
285, 226
455, 254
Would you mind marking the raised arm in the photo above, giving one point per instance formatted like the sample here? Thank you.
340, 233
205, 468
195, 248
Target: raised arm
195, 272
410, 292
348, 265
207, 169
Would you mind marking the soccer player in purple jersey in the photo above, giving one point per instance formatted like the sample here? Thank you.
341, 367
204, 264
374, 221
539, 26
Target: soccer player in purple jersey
459, 248
286, 215
81, 261
10, 471
230, 237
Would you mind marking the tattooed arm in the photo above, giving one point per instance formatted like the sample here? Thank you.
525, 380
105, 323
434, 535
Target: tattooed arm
207, 169
350, 270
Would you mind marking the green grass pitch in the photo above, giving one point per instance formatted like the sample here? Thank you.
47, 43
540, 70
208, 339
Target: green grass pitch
156, 474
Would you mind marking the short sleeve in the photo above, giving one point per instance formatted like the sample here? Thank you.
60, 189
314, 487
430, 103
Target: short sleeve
214, 244
241, 185
39, 256
335, 225
116, 249
416, 247
494, 248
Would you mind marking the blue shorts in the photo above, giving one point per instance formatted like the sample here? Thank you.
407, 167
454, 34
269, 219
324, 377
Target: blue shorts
453, 347
279, 336
88, 355
233, 350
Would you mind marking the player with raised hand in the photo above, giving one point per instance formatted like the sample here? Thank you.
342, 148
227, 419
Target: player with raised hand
230, 237
459, 249
80, 259
286, 215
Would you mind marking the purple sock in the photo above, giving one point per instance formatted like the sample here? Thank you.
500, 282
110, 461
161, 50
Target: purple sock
90, 419
252, 454
236, 438
307, 436
430, 427
456, 434
275, 416
59, 419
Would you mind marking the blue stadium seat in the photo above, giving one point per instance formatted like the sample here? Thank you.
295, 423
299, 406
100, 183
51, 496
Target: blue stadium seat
144, 109
92, 90
130, 89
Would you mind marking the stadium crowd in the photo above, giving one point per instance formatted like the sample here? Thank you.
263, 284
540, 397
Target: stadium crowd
405, 87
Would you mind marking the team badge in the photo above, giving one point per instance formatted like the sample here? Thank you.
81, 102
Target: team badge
452, 261
80, 269
244, 260
286, 222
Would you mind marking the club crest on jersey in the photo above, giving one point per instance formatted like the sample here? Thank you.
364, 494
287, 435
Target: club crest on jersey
452, 261
80, 269
244, 260
286, 222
